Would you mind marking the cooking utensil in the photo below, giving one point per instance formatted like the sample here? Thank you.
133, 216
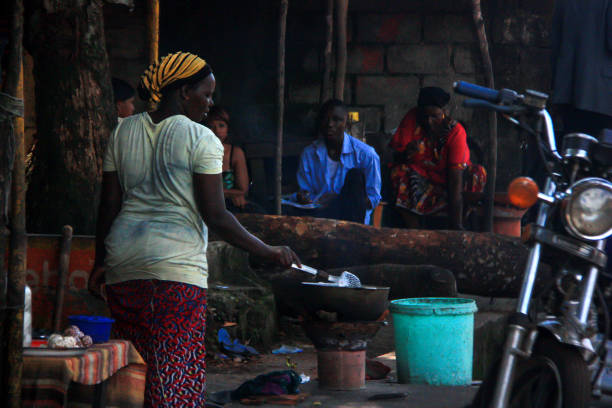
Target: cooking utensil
365, 303
351, 304
346, 279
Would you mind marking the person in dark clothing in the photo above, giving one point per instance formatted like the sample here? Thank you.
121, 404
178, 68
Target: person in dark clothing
124, 98
582, 64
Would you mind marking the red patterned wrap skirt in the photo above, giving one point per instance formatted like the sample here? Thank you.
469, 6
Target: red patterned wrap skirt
166, 322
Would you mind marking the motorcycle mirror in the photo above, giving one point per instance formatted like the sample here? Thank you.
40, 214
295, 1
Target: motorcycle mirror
523, 192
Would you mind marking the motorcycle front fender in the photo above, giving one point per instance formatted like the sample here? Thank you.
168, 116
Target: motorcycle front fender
567, 334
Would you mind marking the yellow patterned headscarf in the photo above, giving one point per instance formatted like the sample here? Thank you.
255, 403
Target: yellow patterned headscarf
169, 69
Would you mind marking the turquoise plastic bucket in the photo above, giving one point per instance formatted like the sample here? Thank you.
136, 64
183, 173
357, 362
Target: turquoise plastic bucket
434, 340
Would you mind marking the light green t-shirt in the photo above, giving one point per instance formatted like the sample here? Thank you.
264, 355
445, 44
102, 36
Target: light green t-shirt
159, 233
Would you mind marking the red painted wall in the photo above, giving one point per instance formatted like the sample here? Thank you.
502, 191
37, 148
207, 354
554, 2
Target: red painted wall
41, 276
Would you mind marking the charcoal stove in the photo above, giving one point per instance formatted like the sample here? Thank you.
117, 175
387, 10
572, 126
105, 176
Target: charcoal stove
341, 351
340, 341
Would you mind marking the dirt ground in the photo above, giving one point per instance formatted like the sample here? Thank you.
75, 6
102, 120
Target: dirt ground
231, 376
228, 375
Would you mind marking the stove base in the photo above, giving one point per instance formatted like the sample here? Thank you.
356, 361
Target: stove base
341, 370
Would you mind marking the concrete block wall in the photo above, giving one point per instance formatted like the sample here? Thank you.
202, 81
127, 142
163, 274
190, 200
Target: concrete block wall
397, 47
394, 49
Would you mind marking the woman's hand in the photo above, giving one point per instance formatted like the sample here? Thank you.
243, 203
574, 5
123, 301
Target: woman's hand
442, 127
283, 256
326, 198
303, 197
96, 284
239, 201
411, 149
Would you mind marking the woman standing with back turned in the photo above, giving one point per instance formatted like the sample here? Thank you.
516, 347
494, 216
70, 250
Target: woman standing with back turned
161, 191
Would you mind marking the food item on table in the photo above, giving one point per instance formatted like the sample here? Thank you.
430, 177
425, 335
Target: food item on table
74, 331
70, 342
58, 341
55, 340
73, 338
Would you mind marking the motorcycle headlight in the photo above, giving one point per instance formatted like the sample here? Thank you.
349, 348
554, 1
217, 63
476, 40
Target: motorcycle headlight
587, 211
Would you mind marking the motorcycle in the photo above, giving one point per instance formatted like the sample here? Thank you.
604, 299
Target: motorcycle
554, 353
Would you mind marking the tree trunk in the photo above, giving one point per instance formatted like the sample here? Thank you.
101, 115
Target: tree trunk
74, 112
483, 264
12, 167
13, 282
492, 158
17, 266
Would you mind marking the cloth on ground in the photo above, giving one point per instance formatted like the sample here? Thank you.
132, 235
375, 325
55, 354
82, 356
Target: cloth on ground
234, 346
274, 383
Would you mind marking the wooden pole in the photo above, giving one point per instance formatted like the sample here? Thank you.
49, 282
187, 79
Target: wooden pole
282, 22
15, 281
153, 31
341, 36
327, 52
17, 266
492, 156
62, 275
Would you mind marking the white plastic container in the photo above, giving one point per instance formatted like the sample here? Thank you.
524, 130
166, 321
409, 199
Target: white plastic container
27, 317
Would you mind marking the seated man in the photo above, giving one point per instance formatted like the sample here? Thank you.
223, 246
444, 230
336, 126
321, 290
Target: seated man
338, 172
431, 166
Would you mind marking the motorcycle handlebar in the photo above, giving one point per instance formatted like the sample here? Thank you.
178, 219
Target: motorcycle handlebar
477, 91
479, 103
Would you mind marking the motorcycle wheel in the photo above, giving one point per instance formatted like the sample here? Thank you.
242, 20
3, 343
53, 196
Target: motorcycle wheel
556, 376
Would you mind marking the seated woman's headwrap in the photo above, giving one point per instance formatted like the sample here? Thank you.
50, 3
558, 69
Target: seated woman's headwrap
168, 70
433, 96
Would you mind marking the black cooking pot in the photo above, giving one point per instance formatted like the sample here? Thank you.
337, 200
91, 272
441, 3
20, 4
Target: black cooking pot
351, 304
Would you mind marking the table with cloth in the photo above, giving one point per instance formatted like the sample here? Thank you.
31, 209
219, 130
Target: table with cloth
49, 380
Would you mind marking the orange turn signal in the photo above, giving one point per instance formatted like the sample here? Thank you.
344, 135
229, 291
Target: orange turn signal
523, 192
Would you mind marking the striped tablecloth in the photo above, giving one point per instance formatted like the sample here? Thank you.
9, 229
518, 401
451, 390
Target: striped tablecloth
46, 378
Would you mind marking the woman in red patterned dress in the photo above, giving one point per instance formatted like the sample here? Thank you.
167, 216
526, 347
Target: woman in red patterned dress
431, 166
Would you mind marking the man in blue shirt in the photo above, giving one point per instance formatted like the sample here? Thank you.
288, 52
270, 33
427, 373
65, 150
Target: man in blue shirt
337, 171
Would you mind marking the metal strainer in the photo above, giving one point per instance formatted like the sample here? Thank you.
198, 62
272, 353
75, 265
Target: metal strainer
346, 279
